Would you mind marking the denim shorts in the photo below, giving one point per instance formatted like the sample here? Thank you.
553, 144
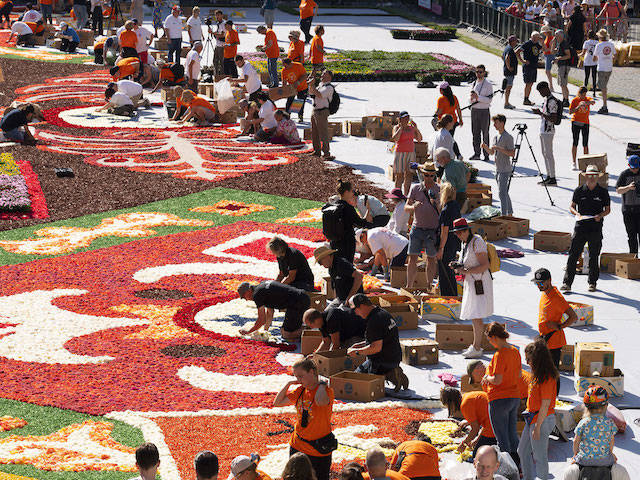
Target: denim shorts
509, 80
422, 239
548, 61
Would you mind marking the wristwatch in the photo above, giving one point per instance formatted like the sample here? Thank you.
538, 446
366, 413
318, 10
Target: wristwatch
358, 352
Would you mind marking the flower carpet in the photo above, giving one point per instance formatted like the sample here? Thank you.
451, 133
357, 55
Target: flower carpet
20, 192
43, 54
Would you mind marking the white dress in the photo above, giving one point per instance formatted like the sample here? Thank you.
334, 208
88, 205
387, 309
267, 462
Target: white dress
474, 305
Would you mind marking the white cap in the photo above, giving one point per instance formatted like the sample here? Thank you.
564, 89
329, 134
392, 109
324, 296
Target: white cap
63, 25
241, 463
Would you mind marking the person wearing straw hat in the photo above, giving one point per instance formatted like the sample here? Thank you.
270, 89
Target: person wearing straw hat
399, 221
270, 295
590, 204
628, 185
245, 467
603, 54
345, 279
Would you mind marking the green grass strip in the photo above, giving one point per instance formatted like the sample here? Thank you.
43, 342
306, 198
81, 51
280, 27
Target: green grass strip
284, 207
47, 420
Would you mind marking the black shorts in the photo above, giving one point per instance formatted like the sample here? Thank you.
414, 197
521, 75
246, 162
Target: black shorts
576, 128
529, 74
293, 315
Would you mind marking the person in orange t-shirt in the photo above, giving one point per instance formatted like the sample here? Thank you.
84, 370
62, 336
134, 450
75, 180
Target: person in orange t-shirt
127, 67
181, 106
247, 467
273, 53
128, 41
295, 53
308, 8
448, 103
540, 419
551, 311
231, 42
316, 51
416, 459
376, 463
501, 384
475, 410
579, 110
314, 405
294, 73
199, 108
36, 27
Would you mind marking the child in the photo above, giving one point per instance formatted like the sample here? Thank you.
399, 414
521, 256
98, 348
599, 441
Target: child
579, 110
147, 461
594, 438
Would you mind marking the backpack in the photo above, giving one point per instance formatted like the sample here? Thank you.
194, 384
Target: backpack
559, 109
333, 221
334, 103
494, 260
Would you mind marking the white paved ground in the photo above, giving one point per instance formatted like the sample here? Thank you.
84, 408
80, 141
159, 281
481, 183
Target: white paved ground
516, 299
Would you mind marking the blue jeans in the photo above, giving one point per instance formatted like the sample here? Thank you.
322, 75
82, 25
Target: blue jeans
47, 11
534, 455
17, 134
272, 67
503, 414
502, 179
376, 367
81, 15
175, 46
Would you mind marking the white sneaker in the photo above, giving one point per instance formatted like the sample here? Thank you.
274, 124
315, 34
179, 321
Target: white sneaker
472, 353
468, 350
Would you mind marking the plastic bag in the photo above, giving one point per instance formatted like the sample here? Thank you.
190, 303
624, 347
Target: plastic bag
484, 211
453, 470
224, 95
508, 468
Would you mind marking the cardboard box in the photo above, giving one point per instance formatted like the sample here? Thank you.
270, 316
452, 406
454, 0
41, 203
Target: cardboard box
584, 313
565, 418
566, 358
422, 150
591, 357
227, 117
161, 43
479, 187
361, 387
393, 114
337, 129
603, 179
207, 89
597, 159
330, 362
454, 336
403, 309
475, 200
167, 93
306, 134
355, 129
311, 339
378, 133
377, 121
327, 288
399, 277
628, 268
520, 427
276, 93
608, 261
434, 311
516, 227
318, 300
614, 384
548, 241
419, 351
489, 229
467, 386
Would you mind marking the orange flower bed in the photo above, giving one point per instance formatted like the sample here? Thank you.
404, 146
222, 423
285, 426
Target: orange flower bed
233, 208
10, 423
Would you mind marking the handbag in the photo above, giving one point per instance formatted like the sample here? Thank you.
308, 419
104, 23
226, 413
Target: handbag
324, 445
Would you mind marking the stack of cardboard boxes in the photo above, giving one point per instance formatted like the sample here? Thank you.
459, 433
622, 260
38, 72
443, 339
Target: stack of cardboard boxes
594, 365
600, 161
86, 38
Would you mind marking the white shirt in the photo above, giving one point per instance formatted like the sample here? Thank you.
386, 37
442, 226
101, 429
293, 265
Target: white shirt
196, 28
567, 8
266, 112
548, 106
484, 89
605, 52
194, 57
589, 46
173, 26
220, 29
399, 222
144, 36
21, 28
375, 205
322, 101
120, 99
32, 16
253, 82
129, 88
442, 138
382, 238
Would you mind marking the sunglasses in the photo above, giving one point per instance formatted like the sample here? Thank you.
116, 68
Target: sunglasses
539, 283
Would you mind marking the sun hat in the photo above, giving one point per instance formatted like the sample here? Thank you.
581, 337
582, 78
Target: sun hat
403, 114
321, 252
545, 29
634, 161
241, 463
396, 193
541, 275
443, 85
596, 396
592, 170
459, 224
427, 167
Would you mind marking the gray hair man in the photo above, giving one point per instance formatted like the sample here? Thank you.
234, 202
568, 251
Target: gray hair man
455, 172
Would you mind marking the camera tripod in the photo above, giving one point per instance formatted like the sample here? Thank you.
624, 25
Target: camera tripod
520, 136
208, 50
116, 12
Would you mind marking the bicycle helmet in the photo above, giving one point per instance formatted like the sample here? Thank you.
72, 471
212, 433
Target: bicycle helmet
596, 396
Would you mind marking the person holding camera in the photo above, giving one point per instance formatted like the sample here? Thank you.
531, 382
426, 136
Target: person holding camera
481, 94
551, 109
628, 185
313, 400
219, 32
504, 149
477, 296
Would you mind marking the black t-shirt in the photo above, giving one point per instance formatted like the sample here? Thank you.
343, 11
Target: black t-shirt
294, 259
510, 53
342, 320
531, 51
576, 30
14, 119
631, 198
562, 48
590, 202
341, 273
382, 326
449, 213
272, 294
82, 3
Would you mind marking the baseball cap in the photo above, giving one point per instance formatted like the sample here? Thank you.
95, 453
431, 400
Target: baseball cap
175, 8
403, 114
241, 463
541, 275
443, 85
634, 161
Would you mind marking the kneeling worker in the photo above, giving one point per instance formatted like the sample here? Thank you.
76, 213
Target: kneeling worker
381, 345
346, 279
389, 248
340, 327
416, 459
270, 295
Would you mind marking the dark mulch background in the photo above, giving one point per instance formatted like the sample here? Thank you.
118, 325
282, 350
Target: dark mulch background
98, 189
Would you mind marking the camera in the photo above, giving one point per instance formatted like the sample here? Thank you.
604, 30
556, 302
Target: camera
208, 21
455, 265
520, 126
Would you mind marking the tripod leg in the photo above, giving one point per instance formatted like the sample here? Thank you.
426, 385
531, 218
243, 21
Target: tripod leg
514, 160
535, 160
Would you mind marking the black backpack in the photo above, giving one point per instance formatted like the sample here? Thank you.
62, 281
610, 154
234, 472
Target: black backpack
333, 221
559, 110
334, 103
